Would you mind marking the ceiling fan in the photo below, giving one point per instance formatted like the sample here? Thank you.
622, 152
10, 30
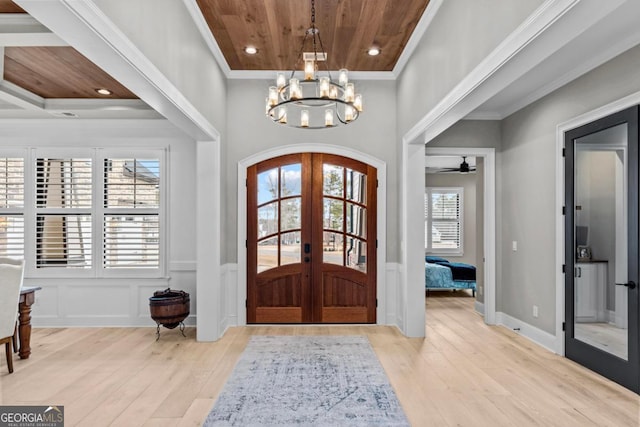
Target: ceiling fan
463, 168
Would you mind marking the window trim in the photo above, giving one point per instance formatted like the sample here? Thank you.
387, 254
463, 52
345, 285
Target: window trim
97, 210
428, 222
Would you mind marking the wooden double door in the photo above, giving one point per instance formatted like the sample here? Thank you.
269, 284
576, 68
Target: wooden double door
311, 240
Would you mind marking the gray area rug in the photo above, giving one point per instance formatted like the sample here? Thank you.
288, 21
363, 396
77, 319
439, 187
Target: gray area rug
310, 381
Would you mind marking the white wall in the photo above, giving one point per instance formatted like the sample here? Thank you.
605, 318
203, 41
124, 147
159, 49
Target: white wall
122, 302
165, 33
528, 186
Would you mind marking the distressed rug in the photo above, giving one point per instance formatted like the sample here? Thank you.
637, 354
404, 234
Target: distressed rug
308, 381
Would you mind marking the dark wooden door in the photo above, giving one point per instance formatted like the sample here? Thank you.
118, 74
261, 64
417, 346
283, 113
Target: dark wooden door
311, 246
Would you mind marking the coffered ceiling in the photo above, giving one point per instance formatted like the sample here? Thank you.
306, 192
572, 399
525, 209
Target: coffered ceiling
276, 28
39, 67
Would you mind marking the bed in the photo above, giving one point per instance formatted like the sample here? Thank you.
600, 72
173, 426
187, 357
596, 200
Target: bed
441, 274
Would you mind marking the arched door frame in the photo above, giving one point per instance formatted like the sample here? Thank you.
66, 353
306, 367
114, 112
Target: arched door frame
381, 312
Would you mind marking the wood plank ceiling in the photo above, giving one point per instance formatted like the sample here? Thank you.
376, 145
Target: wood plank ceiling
348, 28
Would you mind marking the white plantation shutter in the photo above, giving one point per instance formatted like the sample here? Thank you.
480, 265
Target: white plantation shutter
131, 226
63, 196
443, 212
12, 207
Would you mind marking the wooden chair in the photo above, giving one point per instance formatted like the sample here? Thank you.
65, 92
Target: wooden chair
11, 275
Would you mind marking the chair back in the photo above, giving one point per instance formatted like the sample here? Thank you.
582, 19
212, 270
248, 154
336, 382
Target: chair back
11, 275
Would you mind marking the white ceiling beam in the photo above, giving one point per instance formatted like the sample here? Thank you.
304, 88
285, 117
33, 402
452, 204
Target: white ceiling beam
23, 30
20, 97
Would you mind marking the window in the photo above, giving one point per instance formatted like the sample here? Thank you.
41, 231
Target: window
12, 207
443, 220
131, 226
63, 192
88, 212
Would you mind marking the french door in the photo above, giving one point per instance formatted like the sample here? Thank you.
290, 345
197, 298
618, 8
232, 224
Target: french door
601, 281
311, 240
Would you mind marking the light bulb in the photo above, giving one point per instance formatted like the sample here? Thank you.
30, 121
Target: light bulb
309, 70
324, 87
304, 118
294, 89
273, 95
343, 78
357, 102
328, 117
348, 113
349, 92
281, 81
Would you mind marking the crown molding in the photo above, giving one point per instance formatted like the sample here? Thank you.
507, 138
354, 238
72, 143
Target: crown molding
205, 31
430, 12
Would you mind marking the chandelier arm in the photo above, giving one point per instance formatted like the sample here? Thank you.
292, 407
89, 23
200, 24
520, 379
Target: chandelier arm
326, 62
293, 70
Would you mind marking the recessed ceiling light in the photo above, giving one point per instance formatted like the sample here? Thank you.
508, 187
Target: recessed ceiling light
250, 50
374, 51
103, 91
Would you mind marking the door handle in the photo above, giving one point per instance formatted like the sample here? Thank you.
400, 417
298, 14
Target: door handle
307, 259
307, 248
630, 285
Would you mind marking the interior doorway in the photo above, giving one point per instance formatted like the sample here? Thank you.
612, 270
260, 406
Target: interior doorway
311, 240
486, 296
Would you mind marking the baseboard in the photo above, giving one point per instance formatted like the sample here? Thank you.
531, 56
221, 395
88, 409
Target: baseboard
479, 307
538, 336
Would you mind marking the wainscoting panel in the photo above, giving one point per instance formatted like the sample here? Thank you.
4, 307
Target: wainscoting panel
105, 302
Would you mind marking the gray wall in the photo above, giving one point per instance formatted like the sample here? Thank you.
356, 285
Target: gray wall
460, 36
528, 185
250, 132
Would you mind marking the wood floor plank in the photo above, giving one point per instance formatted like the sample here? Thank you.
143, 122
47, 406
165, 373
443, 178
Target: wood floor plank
463, 373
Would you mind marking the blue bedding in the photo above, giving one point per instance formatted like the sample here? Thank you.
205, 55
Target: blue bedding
441, 275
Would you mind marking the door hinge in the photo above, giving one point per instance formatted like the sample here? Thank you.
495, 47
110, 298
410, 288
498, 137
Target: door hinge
564, 210
564, 326
564, 268
246, 243
246, 303
564, 152
246, 182
376, 243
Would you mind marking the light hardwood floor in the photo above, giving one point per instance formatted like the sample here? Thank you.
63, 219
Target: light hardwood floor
463, 374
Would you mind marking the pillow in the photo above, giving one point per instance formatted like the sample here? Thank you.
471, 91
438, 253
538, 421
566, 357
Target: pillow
434, 259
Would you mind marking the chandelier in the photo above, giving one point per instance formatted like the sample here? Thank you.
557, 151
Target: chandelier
315, 101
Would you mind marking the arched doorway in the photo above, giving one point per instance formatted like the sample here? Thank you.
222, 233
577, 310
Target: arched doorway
311, 240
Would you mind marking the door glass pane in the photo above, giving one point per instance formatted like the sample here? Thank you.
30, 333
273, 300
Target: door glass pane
267, 186
332, 248
290, 248
290, 214
290, 176
600, 246
333, 214
268, 219
356, 220
356, 254
332, 178
267, 254
356, 186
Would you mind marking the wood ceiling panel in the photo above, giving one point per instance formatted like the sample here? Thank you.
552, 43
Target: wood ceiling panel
348, 28
7, 6
58, 72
